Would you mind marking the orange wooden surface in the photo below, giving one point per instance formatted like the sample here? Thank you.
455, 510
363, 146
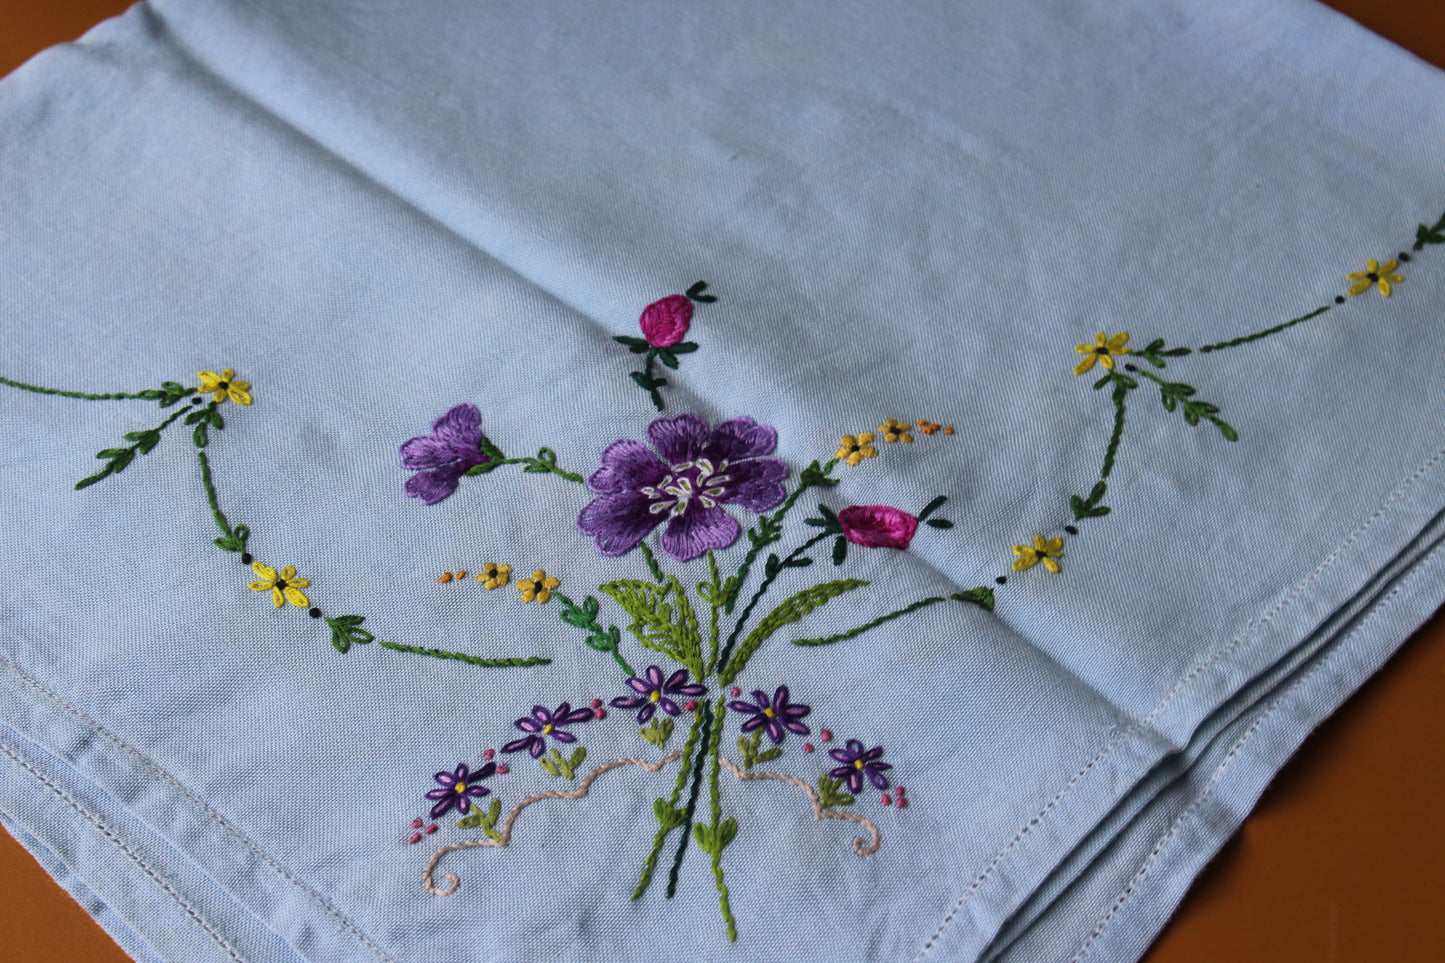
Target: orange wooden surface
1341, 861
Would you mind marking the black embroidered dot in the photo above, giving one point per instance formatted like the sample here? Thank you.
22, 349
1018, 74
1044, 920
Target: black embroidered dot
196, 400
1130, 367
246, 558
1002, 579
1404, 258
280, 583
314, 613
1071, 530
1372, 275
1339, 299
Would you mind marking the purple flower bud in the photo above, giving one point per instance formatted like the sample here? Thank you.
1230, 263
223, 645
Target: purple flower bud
877, 526
664, 323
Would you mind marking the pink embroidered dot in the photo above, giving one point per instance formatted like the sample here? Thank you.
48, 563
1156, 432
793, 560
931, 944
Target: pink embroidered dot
902, 802
887, 799
596, 703
503, 770
414, 838
417, 823
807, 747
825, 735
691, 705
898, 790
737, 691
489, 753
430, 829
600, 713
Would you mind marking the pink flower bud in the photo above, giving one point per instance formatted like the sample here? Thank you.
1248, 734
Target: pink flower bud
902, 802
807, 747
877, 526
600, 713
430, 829
826, 735
691, 705
489, 753
887, 799
737, 691
596, 703
503, 770
664, 323
414, 838
417, 823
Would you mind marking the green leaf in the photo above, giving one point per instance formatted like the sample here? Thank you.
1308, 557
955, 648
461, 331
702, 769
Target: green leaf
831, 794
667, 358
840, 551
683, 347
789, 611
938, 523
638, 343
1227, 430
485, 821
199, 436
1103, 381
669, 627
194, 416
982, 596
111, 452
577, 756
235, 541
1097, 492
930, 508
668, 816
657, 732
346, 630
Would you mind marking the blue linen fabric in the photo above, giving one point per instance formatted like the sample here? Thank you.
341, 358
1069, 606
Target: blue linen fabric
377, 212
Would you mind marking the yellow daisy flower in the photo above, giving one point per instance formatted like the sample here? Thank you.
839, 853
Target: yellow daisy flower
893, 431
854, 449
1103, 350
493, 575
1374, 273
537, 588
225, 385
285, 587
1043, 550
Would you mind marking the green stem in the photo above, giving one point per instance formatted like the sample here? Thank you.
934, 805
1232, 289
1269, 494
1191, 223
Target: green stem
509, 663
1120, 393
149, 395
706, 711
211, 498
652, 565
647, 373
854, 632
598, 638
772, 526
716, 800
649, 866
1246, 339
727, 649
717, 602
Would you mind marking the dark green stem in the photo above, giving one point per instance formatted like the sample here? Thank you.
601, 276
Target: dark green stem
510, 663
698, 766
742, 620
724, 905
852, 633
651, 382
771, 526
1120, 393
1265, 333
148, 395
649, 866
211, 498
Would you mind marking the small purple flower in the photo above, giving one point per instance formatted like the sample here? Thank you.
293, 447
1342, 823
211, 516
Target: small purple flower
858, 762
459, 788
441, 458
776, 715
543, 723
699, 470
654, 691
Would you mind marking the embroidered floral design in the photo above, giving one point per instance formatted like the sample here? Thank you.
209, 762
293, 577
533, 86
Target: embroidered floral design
443, 457
1043, 550
459, 788
1374, 273
854, 449
1103, 350
664, 323
285, 587
537, 588
653, 692
690, 472
225, 385
493, 576
859, 762
893, 431
543, 723
773, 715
877, 526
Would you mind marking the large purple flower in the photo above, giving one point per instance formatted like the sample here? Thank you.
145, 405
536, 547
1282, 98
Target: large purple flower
654, 692
776, 714
543, 723
459, 788
441, 458
693, 473
858, 762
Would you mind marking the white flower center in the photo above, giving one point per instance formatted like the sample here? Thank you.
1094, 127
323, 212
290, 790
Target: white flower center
687, 481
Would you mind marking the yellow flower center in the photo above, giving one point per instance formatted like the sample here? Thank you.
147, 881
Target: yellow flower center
460, 788
770, 713
547, 728
656, 696
857, 763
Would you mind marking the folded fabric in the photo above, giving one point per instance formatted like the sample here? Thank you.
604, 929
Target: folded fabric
841, 481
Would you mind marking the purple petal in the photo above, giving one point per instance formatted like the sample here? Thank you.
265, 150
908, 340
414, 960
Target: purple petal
539, 745
626, 465
753, 723
873, 753
647, 711
559, 717
855, 748
877, 778
654, 678
679, 438
639, 685
740, 438
797, 728
795, 711
618, 520
460, 427
841, 772
755, 485
477, 789
675, 680
439, 794
529, 724
740, 706
487, 770
627, 702
761, 698
669, 706
562, 735
435, 484
442, 807
424, 451
445, 778
542, 714
780, 699
576, 715
519, 744
841, 755
698, 531
775, 731
463, 772
855, 780
691, 690
464, 804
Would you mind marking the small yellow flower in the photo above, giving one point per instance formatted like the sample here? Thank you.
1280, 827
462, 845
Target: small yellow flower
1043, 550
285, 587
854, 449
537, 588
493, 575
1374, 273
893, 431
225, 386
1103, 350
